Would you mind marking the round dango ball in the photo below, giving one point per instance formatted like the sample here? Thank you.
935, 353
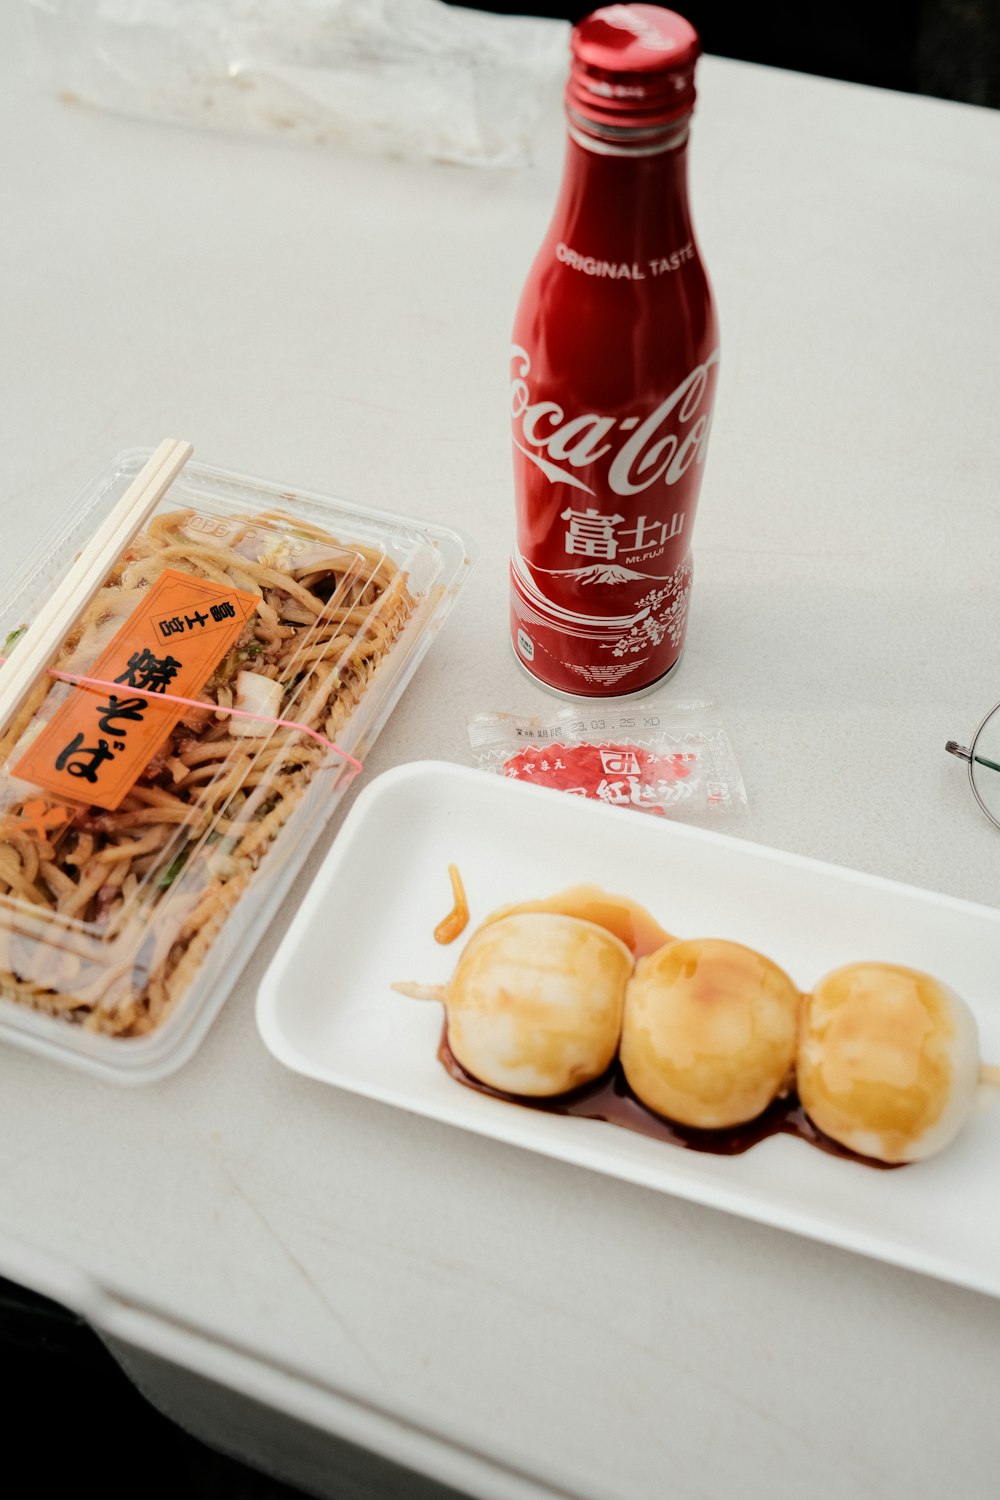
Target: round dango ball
888, 1061
709, 1032
535, 1003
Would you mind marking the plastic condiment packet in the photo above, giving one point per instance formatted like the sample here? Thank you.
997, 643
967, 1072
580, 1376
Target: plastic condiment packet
668, 756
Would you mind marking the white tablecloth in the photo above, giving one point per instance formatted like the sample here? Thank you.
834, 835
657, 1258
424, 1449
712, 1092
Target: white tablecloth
511, 1325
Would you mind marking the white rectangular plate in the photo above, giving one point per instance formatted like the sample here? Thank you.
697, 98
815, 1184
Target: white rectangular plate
325, 1008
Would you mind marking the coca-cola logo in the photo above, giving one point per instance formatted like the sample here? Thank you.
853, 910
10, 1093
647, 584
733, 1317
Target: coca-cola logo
662, 445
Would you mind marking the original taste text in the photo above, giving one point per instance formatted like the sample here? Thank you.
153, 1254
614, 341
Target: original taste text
624, 270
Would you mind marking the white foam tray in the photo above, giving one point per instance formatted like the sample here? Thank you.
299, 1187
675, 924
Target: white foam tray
325, 1008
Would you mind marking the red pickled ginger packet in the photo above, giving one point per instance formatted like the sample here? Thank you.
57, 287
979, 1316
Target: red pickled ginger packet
661, 758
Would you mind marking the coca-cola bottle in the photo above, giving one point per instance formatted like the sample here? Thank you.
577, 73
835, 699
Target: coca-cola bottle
614, 367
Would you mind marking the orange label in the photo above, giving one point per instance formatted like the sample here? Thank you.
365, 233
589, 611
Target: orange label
99, 742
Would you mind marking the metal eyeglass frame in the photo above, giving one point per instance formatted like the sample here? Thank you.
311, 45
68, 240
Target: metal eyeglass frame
969, 755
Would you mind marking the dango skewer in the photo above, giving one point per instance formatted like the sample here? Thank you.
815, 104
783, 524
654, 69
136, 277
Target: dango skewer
534, 1006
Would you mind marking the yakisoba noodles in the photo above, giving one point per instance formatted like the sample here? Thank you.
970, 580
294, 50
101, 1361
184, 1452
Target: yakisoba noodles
98, 927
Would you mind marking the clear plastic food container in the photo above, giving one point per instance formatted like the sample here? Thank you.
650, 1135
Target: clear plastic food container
243, 654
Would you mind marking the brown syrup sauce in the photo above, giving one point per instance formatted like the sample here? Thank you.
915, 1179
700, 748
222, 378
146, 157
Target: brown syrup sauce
609, 1098
620, 915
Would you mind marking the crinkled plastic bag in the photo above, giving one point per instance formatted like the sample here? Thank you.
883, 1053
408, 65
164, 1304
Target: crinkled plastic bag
411, 78
659, 757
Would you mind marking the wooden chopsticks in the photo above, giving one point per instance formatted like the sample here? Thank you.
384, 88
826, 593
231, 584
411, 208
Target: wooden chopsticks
54, 621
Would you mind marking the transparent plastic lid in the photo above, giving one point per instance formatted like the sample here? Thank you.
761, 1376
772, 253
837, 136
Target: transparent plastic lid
240, 655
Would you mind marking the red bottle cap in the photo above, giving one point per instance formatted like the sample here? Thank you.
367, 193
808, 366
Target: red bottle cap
633, 67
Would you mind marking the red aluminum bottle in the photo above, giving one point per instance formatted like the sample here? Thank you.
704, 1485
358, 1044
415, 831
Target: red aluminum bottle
614, 367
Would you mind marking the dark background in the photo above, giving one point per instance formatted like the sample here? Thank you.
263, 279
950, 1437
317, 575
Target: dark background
950, 48
95, 1426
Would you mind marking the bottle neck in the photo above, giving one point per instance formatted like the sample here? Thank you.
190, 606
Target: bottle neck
624, 192
609, 140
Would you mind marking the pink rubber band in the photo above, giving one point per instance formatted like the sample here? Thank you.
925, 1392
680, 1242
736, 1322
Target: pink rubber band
78, 680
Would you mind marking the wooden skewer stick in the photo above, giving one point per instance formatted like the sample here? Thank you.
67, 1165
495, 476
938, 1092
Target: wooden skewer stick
421, 991
990, 1073
57, 616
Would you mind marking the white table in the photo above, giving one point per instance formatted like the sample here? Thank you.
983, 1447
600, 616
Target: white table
511, 1326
